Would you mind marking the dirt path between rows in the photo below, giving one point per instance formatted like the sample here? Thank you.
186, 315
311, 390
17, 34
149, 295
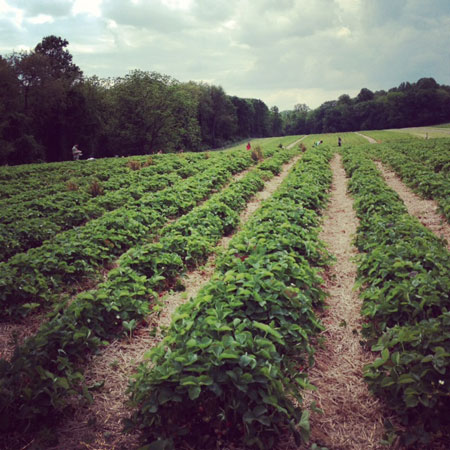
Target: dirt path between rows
371, 140
427, 211
98, 427
352, 418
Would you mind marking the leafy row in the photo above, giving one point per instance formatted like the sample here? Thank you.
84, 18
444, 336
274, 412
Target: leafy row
423, 167
405, 271
23, 183
41, 181
30, 224
143, 179
43, 372
231, 364
435, 153
30, 279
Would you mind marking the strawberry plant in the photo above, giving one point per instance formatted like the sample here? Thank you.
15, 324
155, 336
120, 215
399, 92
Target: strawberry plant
28, 225
229, 366
43, 272
58, 349
404, 272
424, 166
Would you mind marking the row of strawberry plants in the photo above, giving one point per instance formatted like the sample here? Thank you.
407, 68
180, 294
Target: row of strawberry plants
404, 270
112, 173
30, 224
231, 367
429, 176
433, 153
33, 278
43, 372
44, 205
68, 210
19, 182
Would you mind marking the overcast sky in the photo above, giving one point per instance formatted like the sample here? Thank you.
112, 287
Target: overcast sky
281, 51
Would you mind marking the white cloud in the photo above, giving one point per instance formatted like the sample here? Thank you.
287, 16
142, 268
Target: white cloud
11, 13
183, 5
31, 8
344, 32
40, 19
91, 7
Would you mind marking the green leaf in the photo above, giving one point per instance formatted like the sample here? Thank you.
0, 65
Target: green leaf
194, 392
405, 379
259, 410
304, 425
228, 355
269, 330
63, 383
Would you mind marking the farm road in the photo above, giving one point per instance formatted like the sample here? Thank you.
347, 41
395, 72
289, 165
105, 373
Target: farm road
352, 418
297, 141
98, 426
423, 209
371, 140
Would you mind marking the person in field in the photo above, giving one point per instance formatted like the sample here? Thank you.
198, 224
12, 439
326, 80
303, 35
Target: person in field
249, 146
76, 152
339, 141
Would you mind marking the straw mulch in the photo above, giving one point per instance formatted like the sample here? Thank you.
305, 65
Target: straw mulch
352, 418
426, 210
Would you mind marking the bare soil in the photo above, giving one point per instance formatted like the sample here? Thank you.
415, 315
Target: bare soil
99, 425
427, 211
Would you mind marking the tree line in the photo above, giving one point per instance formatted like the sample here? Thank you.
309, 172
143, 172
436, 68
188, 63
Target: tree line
47, 105
408, 105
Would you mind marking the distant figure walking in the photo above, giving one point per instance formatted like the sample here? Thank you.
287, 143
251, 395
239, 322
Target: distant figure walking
249, 146
76, 152
339, 141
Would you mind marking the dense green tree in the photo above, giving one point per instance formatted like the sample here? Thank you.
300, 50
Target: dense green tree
276, 123
301, 108
47, 77
344, 99
261, 121
364, 95
150, 112
245, 113
409, 104
9, 110
59, 59
217, 116
294, 122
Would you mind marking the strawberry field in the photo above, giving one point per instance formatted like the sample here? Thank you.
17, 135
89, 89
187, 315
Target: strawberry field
92, 249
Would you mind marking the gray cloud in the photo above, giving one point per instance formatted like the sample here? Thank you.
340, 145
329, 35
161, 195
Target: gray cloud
272, 49
54, 8
152, 15
212, 13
